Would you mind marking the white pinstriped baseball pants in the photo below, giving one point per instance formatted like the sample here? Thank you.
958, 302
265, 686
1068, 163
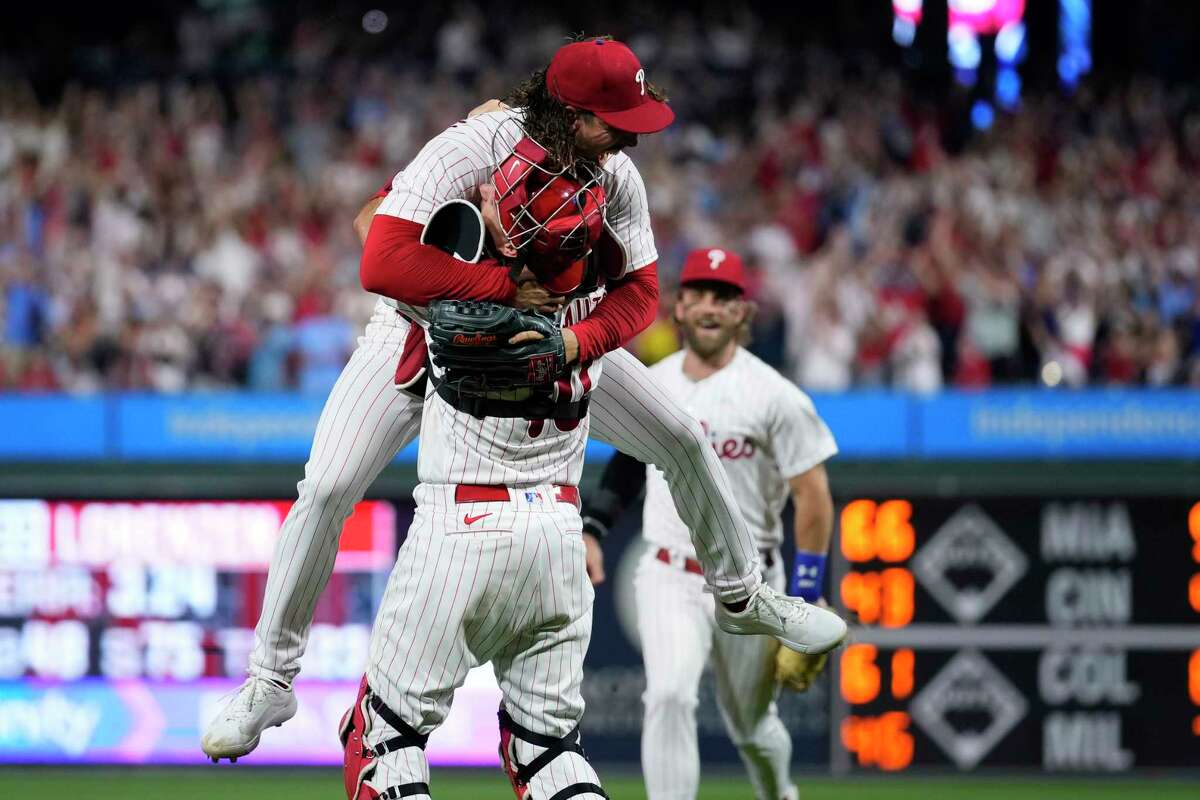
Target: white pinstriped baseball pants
678, 635
510, 589
366, 421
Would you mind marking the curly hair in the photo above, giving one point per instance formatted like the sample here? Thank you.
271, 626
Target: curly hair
547, 120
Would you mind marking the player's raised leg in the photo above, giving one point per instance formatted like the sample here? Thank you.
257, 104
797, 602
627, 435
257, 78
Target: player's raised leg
365, 421
675, 625
744, 667
637, 416
634, 414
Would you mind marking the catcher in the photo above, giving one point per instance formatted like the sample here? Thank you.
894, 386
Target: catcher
494, 566
771, 443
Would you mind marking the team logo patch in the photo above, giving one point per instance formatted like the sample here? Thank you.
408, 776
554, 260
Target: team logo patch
532, 496
541, 368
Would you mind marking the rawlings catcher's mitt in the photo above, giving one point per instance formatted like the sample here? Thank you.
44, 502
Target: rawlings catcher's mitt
484, 375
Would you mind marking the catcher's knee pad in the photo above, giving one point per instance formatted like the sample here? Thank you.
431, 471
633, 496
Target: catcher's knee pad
522, 774
358, 762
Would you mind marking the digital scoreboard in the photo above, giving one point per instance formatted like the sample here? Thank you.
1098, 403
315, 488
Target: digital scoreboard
1016, 632
168, 590
124, 626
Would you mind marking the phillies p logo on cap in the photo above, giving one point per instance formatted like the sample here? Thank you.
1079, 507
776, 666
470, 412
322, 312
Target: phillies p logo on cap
605, 77
713, 264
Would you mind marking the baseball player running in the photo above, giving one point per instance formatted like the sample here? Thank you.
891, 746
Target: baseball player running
588, 105
770, 441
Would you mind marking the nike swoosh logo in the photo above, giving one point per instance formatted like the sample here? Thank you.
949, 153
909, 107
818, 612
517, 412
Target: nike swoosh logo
469, 520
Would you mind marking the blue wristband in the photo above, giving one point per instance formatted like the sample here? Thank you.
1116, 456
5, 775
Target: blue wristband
808, 576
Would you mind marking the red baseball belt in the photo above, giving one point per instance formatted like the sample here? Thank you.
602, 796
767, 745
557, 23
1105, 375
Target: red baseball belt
689, 564
499, 493
692, 565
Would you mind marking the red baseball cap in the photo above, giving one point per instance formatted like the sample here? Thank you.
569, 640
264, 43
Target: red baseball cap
713, 265
605, 77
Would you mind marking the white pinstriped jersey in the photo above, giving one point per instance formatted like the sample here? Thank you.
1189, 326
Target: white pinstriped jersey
765, 431
516, 452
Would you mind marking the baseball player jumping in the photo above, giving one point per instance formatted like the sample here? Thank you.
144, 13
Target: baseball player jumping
590, 103
771, 442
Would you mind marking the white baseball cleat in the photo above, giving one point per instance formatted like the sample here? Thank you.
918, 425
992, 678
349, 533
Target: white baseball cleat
804, 627
258, 705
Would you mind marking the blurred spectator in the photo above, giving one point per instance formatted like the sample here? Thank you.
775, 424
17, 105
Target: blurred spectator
323, 340
26, 311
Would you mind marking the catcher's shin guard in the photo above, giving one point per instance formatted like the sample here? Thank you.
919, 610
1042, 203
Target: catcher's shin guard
522, 775
358, 764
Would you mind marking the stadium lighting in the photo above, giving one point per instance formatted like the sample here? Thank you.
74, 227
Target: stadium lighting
1010, 43
1008, 88
982, 115
903, 31
1074, 37
965, 52
906, 17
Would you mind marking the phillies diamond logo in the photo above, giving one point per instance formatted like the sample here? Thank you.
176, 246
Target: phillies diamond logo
968, 708
969, 564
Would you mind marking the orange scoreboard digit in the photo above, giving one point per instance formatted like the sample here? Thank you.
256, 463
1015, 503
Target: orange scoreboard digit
1059, 633
878, 532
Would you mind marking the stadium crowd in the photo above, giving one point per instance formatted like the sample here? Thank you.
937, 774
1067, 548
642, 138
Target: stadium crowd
195, 232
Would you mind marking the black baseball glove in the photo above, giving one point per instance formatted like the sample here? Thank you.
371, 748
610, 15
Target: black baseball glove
469, 343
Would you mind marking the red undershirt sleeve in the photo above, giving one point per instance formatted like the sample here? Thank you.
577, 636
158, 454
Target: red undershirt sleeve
395, 264
627, 310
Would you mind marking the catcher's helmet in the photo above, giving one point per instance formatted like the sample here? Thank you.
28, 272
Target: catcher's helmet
551, 216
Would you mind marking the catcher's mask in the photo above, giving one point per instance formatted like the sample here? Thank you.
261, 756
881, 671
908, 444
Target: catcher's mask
551, 216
